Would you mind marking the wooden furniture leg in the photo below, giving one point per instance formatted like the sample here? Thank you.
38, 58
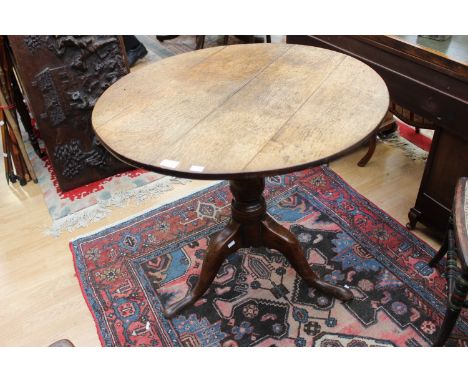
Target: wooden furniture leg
444, 247
438, 256
413, 216
388, 124
370, 151
223, 243
199, 42
455, 305
250, 226
277, 237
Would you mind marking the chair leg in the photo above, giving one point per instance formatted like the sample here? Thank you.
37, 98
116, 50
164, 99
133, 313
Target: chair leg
441, 253
456, 302
199, 42
448, 242
370, 151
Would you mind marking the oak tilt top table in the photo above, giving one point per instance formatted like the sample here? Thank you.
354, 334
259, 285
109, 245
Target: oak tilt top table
243, 112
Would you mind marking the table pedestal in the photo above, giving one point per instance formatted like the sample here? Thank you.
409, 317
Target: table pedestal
251, 226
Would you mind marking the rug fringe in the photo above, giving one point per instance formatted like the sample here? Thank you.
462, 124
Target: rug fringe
77, 220
121, 199
194, 191
411, 151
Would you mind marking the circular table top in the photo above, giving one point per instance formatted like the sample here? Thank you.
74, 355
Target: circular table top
241, 110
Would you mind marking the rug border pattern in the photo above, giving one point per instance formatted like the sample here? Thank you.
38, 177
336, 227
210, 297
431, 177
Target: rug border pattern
91, 299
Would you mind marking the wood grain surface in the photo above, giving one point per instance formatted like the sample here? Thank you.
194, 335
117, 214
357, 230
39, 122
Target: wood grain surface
241, 110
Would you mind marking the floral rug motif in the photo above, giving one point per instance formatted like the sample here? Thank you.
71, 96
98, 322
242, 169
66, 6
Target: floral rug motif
129, 271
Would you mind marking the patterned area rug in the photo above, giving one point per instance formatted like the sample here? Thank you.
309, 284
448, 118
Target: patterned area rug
129, 271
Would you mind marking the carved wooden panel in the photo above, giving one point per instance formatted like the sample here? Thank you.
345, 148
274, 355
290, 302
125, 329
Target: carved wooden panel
63, 76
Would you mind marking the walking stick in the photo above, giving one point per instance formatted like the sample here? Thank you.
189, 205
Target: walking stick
6, 161
17, 134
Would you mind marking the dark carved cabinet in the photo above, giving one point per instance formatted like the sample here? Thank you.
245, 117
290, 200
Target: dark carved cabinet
62, 77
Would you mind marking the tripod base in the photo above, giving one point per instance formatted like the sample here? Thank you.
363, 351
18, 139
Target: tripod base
251, 226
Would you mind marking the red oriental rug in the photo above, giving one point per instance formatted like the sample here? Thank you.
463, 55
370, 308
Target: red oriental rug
129, 271
418, 139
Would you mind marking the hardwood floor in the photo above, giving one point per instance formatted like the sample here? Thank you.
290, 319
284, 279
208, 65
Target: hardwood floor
40, 297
